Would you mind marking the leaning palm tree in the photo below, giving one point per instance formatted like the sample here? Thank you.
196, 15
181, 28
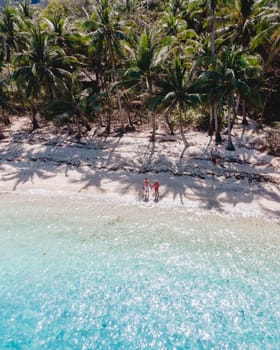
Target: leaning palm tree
42, 69
176, 92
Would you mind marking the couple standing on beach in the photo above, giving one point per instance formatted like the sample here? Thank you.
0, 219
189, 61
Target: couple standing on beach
146, 189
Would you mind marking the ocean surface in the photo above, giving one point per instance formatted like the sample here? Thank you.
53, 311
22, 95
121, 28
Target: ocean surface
78, 273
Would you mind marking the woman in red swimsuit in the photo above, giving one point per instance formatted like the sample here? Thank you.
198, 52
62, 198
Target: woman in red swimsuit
156, 190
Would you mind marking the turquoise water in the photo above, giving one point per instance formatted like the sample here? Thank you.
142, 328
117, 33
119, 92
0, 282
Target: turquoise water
82, 274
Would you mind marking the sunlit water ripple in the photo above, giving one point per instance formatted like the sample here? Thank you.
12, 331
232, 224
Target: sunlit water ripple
81, 274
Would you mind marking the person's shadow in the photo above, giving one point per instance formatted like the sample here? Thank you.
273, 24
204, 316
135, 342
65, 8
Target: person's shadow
145, 197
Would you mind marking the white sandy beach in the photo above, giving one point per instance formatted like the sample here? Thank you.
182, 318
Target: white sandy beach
247, 181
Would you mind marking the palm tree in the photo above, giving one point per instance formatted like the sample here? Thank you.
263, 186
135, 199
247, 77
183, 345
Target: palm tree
108, 33
26, 11
176, 92
143, 72
172, 24
206, 65
239, 26
237, 69
9, 42
74, 105
216, 86
62, 31
267, 31
4, 96
266, 43
244, 25
42, 70
236, 75
214, 91
177, 36
8, 32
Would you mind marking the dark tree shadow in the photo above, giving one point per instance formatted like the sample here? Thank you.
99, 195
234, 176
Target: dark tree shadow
102, 161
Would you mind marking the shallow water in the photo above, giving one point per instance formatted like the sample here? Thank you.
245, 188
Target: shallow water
82, 274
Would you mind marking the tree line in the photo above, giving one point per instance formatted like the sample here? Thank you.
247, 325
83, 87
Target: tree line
125, 61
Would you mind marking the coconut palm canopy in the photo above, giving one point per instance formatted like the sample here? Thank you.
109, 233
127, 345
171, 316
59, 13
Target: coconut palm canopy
180, 58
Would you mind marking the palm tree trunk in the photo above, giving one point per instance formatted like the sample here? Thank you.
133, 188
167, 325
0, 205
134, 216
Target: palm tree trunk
244, 119
118, 92
210, 131
6, 119
108, 126
170, 123
78, 136
120, 111
237, 105
2, 136
230, 146
266, 101
182, 129
34, 121
213, 24
127, 3
130, 122
153, 137
235, 111
218, 137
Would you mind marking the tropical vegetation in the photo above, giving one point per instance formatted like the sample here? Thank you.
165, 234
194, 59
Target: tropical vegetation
120, 63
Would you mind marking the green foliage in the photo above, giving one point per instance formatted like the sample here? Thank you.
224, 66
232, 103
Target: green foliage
127, 49
63, 110
54, 9
4, 92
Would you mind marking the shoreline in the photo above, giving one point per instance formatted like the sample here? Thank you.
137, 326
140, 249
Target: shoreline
194, 206
244, 181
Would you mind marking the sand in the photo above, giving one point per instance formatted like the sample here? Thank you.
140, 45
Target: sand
246, 181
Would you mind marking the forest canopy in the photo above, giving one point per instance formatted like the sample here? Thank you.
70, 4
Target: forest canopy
102, 61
